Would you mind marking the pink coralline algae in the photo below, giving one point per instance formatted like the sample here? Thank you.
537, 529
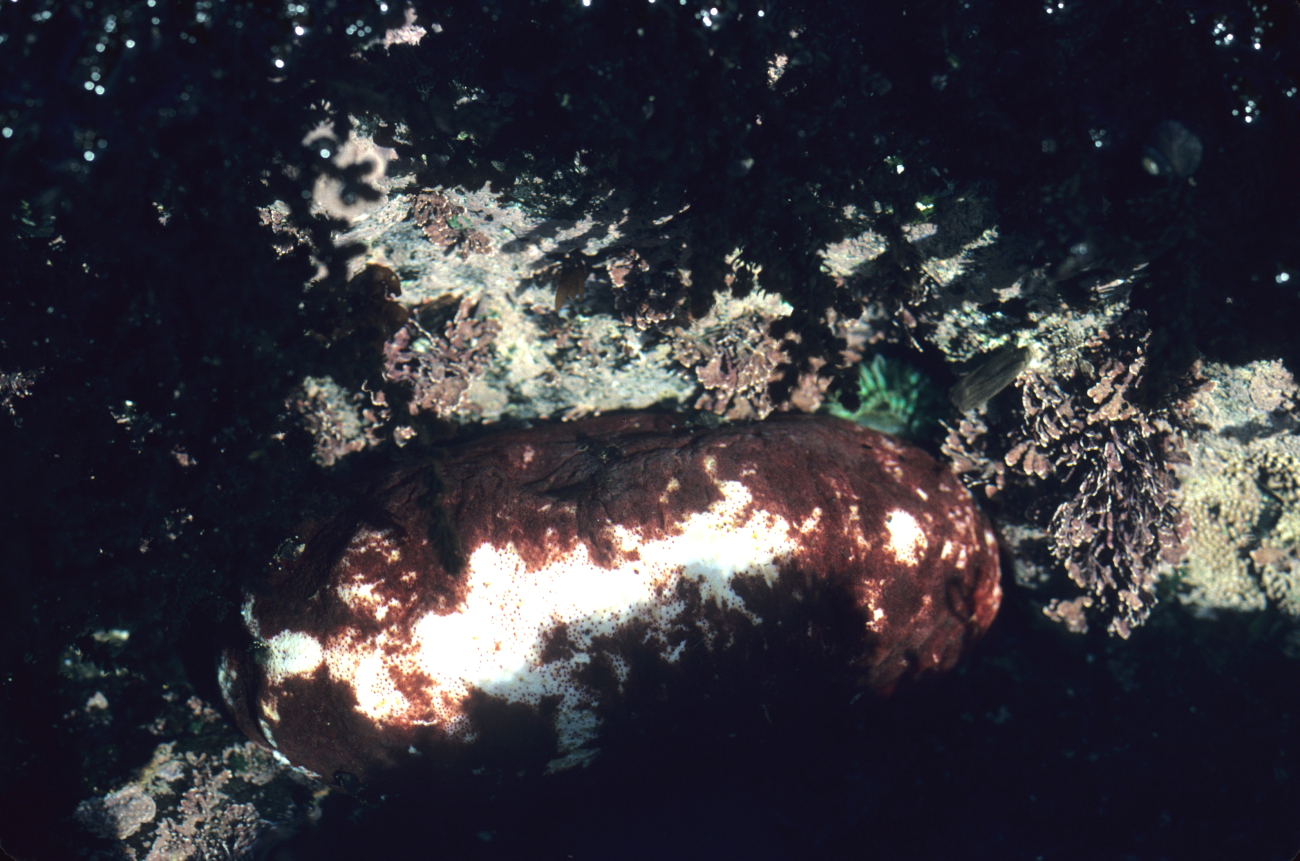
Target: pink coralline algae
537, 585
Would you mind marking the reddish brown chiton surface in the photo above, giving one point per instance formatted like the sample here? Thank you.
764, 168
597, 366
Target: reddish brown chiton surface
604, 562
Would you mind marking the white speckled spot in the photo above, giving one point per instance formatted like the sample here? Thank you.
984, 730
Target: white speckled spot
365, 664
291, 653
811, 522
871, 599
360, 596
906, 540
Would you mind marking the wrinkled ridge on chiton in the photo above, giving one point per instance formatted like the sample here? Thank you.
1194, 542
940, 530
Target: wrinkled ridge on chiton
600, 562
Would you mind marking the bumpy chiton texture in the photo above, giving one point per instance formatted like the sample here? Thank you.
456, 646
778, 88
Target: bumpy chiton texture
600, 564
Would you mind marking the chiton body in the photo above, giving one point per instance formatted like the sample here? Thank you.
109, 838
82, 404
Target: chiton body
537, 585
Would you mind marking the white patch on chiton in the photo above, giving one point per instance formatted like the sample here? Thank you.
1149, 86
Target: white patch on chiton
494, 642
270, 707
871, 600
358, 594
854, 527
921, 493
527, 454
906, 540
890, 466
366, 542
962, 519
368, 670
671, 487
289, 654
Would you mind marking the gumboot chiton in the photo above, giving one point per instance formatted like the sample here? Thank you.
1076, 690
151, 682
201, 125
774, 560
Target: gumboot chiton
597, 561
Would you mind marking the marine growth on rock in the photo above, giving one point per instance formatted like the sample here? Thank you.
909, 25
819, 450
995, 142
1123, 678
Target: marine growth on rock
538, 586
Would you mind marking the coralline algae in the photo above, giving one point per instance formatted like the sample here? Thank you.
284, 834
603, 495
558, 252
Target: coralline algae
562, 574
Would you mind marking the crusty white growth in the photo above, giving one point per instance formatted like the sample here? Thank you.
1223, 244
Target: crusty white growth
906, 540
871, 600
494, 642
360, 594
856, 531
290, 654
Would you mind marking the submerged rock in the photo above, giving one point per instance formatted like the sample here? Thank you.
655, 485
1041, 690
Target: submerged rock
538, 586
